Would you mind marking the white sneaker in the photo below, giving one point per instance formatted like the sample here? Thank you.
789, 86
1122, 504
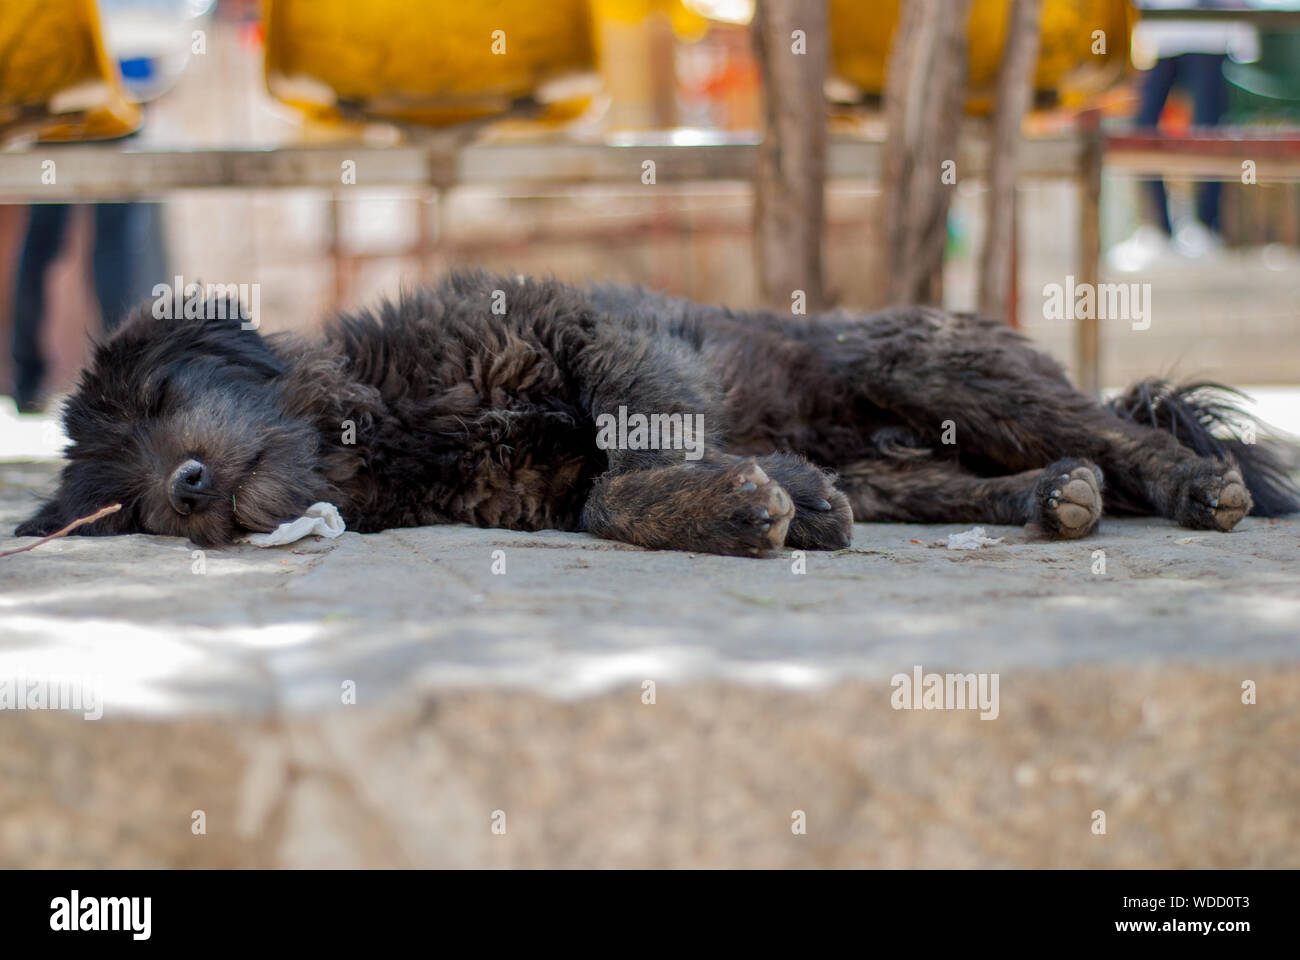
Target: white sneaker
1146, 247
1196, 241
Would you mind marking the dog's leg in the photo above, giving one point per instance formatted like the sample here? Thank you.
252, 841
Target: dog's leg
713, 507
698, 497
996, 397
1150, 467
1063, 502
743, 506
823, 517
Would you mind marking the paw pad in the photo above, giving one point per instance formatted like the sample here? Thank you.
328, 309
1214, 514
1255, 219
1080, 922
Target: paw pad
1070, 504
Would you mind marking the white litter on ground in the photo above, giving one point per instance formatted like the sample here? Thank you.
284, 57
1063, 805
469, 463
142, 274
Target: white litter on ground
972, 540
320, 520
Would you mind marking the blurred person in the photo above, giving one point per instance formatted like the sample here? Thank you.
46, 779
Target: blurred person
127, 260
1188, 54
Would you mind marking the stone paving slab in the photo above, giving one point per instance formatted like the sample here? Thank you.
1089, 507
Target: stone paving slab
264, 629
522, 691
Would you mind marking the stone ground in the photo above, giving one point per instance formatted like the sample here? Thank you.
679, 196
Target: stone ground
522, 692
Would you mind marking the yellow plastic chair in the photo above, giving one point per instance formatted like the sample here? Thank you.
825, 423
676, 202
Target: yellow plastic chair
1069, 65
431, 62
57, 82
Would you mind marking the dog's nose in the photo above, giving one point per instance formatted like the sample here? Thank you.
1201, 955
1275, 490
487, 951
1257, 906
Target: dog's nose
190, 487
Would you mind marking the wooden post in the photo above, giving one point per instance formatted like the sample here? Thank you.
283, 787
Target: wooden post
1013, 267
790, 42
924, 87
1014, 96
1087, 342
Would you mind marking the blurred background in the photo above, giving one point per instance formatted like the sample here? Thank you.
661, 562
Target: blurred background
180, 78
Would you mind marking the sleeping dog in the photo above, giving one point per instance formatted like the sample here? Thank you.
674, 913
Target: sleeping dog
533, 404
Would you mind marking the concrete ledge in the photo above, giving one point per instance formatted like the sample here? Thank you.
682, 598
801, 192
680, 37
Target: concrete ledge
708, 776
225, 691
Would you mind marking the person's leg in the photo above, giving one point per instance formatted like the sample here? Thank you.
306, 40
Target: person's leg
1156, 85
1209, 95
128, 257
46, 226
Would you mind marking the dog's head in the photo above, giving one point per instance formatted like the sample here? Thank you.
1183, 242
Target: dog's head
182, 422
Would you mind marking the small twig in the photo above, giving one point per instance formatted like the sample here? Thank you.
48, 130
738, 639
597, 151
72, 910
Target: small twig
66, 530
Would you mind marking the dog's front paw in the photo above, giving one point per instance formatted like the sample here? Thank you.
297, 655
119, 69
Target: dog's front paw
1068, 499
822, 524
1215, 498
755, 511
730, 507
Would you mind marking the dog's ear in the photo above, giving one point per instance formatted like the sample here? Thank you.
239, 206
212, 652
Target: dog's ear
87, 484
152, 338
229, 332
54, 515
48, 519
78, 495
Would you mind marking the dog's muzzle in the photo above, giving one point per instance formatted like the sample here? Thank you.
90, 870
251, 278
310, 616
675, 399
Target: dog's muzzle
190, 487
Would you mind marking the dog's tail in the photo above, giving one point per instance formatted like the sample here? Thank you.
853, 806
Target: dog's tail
1210, 419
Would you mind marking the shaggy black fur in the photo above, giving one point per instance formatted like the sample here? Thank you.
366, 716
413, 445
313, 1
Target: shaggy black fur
441, 408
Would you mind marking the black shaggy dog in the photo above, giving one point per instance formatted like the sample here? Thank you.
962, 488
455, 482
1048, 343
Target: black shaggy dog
485, 400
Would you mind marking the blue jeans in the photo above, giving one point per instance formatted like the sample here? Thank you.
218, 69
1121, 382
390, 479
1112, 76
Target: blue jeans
128, 261
1203, 74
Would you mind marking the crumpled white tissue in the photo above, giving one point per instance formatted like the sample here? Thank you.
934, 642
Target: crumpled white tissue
320, 520
971, 539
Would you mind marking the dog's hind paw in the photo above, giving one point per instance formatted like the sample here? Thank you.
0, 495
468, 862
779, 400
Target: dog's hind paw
1068, 500
1215, 499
